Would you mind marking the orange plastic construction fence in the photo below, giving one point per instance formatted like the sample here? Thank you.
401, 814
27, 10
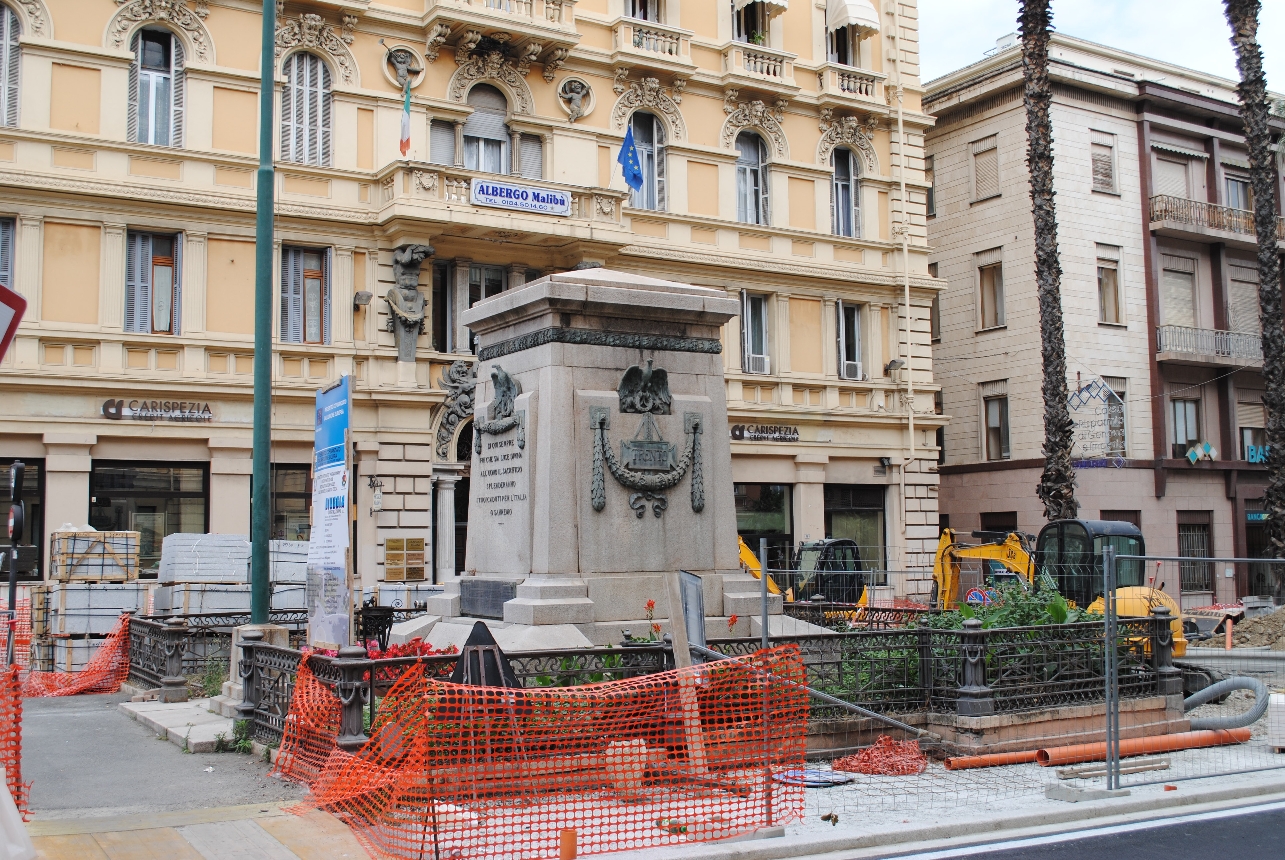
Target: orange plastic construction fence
104, 673
11, 735
21, 624
462, 771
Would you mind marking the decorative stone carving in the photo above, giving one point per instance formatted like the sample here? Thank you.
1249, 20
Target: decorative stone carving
489, 63
403, 63
500, 415
648, 482
556, 59
459, 381
529, 55
645, 391
311, 31
37, 17
437, 37
852, 132
347, 24
426, 180
134, 12
648, 94
676, 90
405, 301
756, 115
576, 97
202, 9
622, 73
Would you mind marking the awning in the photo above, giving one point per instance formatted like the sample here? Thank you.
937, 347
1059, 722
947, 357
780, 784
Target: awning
781, 5
852, 13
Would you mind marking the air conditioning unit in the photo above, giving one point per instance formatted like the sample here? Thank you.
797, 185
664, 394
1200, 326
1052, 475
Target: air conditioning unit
851, 370
757, 364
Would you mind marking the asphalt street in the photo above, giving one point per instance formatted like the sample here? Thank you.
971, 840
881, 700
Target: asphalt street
1253, 832
84, 757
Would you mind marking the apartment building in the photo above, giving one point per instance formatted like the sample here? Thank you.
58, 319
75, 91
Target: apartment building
773, 169
1159, 298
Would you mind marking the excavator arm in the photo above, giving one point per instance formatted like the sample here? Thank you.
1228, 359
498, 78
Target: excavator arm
1013, 554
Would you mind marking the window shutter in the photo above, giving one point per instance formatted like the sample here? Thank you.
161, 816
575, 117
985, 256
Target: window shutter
178, 90
177, 328
131, 116
532, 157
323, 97
745, 331
1103, 168
6, 253
138, 282
441, 142
131, 279
986, 173
292, 295
486, 123
765, 212
1171, 178
1244, 300
661, 202
288, 98
9, 53
326, 263
841, 336
1179, 297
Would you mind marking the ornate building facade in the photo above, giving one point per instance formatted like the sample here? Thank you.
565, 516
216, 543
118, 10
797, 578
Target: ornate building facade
773, 165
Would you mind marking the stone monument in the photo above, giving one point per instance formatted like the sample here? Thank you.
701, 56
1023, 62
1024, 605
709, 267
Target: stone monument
602, 462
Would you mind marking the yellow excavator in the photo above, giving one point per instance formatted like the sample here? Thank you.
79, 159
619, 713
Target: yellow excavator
750, 564
1067, 554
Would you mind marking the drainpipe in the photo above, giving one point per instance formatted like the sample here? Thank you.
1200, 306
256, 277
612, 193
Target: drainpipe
904, 229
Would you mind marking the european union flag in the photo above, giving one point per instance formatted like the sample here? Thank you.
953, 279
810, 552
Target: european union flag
628, 159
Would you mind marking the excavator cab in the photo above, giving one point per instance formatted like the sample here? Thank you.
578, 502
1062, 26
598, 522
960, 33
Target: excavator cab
1068, 553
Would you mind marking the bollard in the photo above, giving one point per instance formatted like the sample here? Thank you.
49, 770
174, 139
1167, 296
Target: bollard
975, 698
1227, 625
174, 640
1168, 676
353, 694
248, 672
567, 847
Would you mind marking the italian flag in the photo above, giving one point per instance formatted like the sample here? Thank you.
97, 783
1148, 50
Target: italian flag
406, 122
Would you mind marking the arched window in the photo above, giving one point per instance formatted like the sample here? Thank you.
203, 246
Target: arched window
156, 88
649, 139
486, 135
9, 52
845, 194
305, 111
751, 179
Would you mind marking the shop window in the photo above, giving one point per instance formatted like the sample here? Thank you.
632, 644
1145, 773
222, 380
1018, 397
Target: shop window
845, 194
1239, 193
649, 140
644, 10
305, 295
1102, 156
306, 110
153, 283
1194, 542
765, 511
754, 333
10, 53
985, 168
291, 502
749, 22
1109, 310
32, 493
996, 410
856, 512
1186, 425
156, 89
751, 179
848, 319
154, 500
486, 133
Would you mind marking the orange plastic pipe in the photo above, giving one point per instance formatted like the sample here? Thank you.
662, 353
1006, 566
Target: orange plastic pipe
965, 762
1077, 753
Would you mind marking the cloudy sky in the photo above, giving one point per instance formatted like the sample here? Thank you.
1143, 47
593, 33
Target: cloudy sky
1191, 33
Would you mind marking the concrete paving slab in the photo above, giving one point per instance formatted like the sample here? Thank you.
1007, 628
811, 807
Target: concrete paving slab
189, 725
315, 835
235, 840
163, 843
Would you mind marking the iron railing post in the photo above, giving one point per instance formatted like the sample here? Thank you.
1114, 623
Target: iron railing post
352, 693
976, 699
247, 670
1168, 676
924, 645
1110, 670
763, 588
174, 642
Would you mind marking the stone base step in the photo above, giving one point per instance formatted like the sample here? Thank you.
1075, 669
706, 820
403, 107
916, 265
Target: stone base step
535, 612
187, 725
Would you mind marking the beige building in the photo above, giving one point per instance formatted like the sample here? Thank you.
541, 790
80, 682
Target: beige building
1159, 298
773, 168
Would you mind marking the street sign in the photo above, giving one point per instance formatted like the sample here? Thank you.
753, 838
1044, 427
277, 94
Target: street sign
12, 307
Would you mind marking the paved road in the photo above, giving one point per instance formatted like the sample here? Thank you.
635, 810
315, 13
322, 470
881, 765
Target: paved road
1250, 833
83, 757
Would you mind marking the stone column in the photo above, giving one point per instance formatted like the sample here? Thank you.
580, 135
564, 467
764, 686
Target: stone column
341, 293
445, 505
459, 142
29, 261
459, 304
194, 286
230, 468
809, 496
515, 153
67, 462
517, 276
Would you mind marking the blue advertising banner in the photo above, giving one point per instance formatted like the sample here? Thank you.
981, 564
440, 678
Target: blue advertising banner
329, 601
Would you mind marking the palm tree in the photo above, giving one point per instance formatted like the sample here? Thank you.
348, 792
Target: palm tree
1242, 15
1057, 485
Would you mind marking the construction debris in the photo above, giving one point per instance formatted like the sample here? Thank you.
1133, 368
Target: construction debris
1265, 630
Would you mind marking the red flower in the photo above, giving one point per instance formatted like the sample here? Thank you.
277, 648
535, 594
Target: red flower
655, 628
731, 623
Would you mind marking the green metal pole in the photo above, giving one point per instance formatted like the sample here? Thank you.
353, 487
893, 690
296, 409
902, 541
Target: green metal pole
261, 509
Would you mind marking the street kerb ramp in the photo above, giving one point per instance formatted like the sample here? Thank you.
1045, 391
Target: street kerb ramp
104, 673
455, 770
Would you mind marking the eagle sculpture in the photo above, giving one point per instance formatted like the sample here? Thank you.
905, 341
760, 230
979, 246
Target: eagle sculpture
644, 391
507, 390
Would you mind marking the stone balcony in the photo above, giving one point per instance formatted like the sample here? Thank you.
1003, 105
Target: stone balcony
1207, 347
757, 66
841, 85
654, 46
1197, 221
547, 24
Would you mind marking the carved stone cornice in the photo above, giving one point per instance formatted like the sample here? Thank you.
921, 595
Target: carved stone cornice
648, 94
37, 18
848, 130
754, 115
310, 31
767, 264
493, 66
173, 12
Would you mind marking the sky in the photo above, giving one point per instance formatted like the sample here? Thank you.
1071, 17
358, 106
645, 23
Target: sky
1190, 33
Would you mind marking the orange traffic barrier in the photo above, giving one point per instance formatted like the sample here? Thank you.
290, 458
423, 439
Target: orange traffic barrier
104, 673
1077, 753
967, 762
11, 736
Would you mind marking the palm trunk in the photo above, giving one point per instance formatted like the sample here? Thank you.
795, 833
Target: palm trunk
1242, 15
1057, 484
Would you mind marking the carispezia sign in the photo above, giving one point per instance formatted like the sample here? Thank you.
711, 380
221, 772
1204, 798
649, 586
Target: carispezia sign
524, 198
764, 433
183, 411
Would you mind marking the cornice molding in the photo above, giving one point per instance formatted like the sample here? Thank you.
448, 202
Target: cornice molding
766, 264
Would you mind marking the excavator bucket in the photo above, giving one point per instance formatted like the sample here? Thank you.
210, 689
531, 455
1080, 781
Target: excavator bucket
750, 562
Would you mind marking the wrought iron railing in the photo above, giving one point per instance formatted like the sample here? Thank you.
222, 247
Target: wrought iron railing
1208, 341
1166, 207
844, 617
146, 652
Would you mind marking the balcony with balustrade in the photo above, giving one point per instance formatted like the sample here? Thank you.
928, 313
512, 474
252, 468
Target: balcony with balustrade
1207, 347
653, 46
1197, 221
532, 30
746, 65
840, 85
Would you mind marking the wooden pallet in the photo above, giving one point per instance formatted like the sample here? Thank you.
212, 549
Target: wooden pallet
94, 556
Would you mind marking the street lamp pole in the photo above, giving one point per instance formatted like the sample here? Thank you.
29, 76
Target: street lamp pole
261, 509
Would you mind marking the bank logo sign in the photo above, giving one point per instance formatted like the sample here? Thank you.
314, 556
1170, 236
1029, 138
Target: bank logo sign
764, 433
524, 198
184, 411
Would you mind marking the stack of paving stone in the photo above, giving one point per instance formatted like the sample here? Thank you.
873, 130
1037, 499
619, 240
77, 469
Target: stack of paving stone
202, 574
289, 573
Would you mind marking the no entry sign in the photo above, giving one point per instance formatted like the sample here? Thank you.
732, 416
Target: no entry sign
12, 307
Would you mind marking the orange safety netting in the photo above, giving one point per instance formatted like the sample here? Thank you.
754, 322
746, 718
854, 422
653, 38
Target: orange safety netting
104, 673
11, 735
21, 625
885, 757
466, 771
